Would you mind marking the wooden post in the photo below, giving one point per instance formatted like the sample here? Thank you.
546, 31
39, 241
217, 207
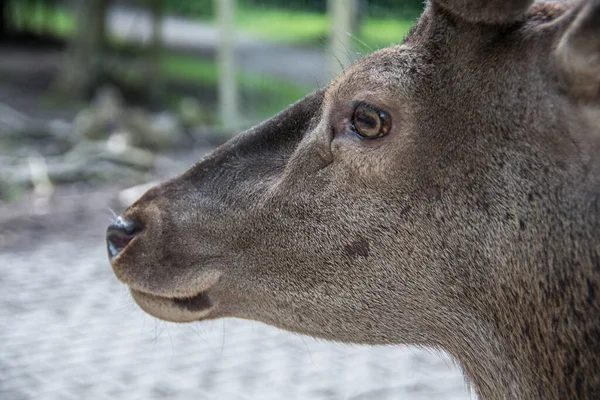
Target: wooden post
341, 16
228, 90
84, 62
156, 48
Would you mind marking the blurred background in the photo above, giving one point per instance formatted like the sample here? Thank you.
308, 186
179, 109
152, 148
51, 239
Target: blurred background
101, 99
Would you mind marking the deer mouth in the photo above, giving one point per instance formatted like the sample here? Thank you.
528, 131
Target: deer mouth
174, 309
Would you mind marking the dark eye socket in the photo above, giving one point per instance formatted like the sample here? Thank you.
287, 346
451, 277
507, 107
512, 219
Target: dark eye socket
369, 122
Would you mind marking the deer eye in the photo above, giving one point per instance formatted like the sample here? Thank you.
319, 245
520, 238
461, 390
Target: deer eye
369, 122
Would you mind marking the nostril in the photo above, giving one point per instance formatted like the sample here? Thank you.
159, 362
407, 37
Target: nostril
119, 234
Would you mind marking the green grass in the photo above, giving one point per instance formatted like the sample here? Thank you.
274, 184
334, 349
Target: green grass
379, 33
283, 26
272, 94
268, 95
57, 21
63, 24
305, 28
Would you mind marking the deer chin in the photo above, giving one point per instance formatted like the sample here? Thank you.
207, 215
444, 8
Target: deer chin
174, 309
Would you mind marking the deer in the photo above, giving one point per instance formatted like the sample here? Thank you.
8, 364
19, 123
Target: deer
443, 192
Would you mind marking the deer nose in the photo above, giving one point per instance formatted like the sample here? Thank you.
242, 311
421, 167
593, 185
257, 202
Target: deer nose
119, 234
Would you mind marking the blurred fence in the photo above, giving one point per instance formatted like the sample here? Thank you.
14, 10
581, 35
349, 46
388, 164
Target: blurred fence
100, 50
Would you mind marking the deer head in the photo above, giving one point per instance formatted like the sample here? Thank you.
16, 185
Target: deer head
442, 193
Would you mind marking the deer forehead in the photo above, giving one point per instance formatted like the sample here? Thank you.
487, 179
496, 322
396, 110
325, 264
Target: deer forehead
384, 75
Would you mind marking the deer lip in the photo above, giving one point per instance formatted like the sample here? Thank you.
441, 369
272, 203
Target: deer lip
180, 307
199, 302
174, 309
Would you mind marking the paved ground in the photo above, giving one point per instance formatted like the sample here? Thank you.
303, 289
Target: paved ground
69, 330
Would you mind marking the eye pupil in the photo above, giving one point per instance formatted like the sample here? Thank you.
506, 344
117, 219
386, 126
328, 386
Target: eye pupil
367, 121
370, 123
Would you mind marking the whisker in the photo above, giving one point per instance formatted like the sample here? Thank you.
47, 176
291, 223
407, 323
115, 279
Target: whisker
114, 214
356, 39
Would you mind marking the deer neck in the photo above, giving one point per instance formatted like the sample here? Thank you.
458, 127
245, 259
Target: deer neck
533, 352
492, 366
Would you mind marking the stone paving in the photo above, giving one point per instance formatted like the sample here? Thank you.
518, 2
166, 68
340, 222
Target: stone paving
69, 330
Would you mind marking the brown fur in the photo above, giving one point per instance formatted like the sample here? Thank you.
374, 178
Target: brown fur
473, 226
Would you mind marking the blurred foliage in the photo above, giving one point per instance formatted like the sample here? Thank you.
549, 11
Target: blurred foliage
304, 22
410, 9
195, 8
380, 33
308, 28
40, 16
22, 11
293, 27
186, 8
267, 95
125, 62
10, 192
375, 8
385, 22
382, 23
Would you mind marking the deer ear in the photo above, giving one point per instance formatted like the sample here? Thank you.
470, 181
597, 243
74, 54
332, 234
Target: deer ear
578, 54
495, 12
